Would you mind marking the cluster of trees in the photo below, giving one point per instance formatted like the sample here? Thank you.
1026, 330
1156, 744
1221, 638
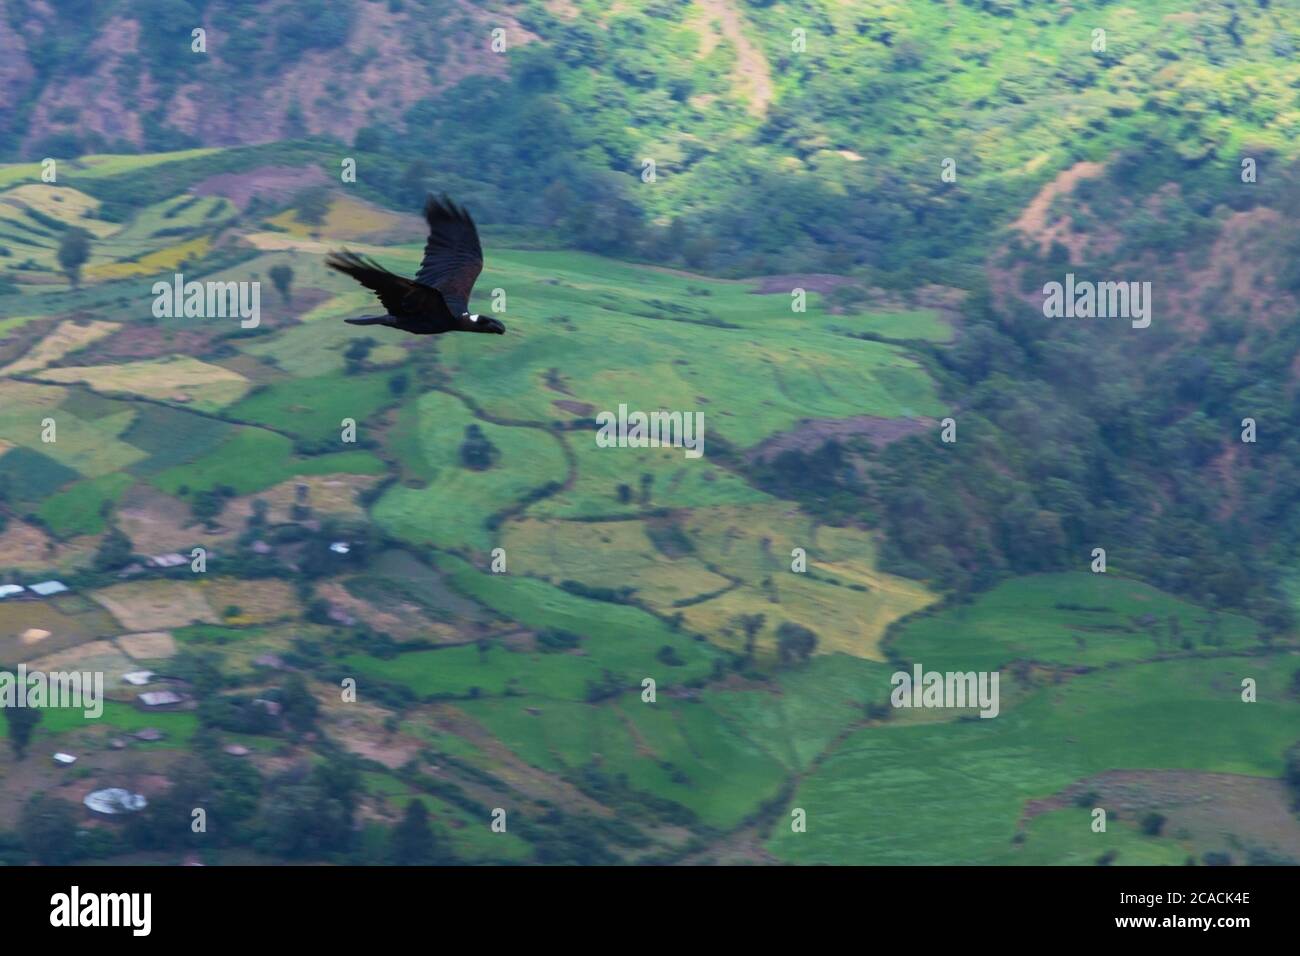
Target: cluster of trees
815, 180
308, 812
1079, 434
115, 551
1073, 435
301, 815
561, 143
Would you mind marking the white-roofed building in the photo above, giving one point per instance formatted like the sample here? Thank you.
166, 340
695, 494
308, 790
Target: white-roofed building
114, 801
159, 698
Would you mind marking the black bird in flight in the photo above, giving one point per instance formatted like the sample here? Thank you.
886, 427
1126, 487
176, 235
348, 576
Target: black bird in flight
437, 300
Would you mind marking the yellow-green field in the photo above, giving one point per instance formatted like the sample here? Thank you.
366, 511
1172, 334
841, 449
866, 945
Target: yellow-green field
66, 337
175, 378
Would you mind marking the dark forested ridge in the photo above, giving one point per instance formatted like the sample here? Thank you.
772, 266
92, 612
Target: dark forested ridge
790, 135
1084, 433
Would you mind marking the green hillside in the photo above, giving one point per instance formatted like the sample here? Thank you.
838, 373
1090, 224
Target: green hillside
387, 570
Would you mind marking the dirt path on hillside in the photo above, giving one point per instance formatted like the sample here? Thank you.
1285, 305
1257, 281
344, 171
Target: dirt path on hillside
753, 76
1033, 221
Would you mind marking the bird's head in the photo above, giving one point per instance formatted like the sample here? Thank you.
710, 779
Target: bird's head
485, 323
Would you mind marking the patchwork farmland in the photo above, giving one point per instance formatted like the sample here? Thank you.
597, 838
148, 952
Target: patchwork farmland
498, 623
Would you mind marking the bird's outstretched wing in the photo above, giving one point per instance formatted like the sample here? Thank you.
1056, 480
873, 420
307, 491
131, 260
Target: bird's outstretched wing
453, 257
400, 296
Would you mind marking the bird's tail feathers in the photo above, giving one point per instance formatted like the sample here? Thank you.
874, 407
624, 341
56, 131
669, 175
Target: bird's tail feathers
371, 320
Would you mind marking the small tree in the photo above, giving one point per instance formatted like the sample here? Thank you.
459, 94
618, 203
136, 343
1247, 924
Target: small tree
206, 506
313, 206
114, 551
74, 250
411, 842
258, 513
22, 723
299, 704
282, 279
751, 624
477, 452
1153, 823
794, 642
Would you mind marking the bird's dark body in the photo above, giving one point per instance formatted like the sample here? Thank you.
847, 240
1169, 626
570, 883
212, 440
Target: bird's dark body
437, 299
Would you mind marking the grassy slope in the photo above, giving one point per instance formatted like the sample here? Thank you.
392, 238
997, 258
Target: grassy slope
953, 792
1077, 619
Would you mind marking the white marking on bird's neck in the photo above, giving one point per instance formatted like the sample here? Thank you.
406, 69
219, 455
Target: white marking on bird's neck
472, 318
